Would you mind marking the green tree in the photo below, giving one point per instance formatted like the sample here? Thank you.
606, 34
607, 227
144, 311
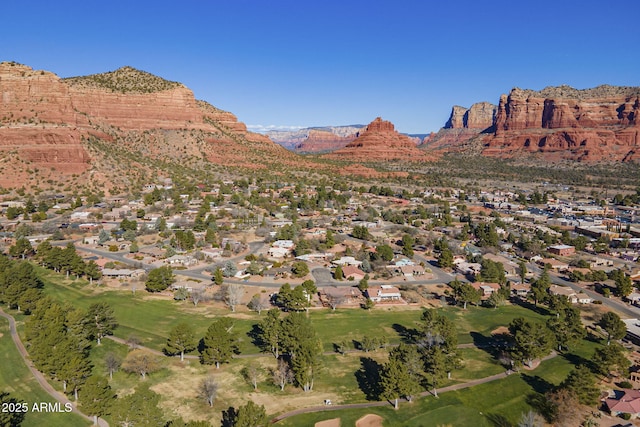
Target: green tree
567, 328
300, 269
522, 271
218, 277
101, 321
74, 371
251, 415
218, 344
611, 358
12, 418
409, 356
540, 288
361, 232
624, 285
435, 367
613, 326
181, 339
21, 249
582, 383
97, 398
385, 252
407, 245
445, 259
465, 293
159, 279
269, 332
92, 271
530, 340
338, 274
139, 408
393, 380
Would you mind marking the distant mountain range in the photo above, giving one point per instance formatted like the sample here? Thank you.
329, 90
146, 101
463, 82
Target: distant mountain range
322, 139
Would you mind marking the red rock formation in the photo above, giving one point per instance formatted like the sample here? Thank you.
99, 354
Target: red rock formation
380, 142
45, 120
599, 124
463, 126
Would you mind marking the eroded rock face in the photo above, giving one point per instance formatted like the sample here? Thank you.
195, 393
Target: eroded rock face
381, 142
599, 124
44, 120
479, 116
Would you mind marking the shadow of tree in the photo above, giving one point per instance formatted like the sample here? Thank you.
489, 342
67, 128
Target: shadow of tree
368, 377
537, 383
535, 308
407, 335
255, 334
499, 420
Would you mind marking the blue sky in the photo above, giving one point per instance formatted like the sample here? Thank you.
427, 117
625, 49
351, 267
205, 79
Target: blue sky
313, 63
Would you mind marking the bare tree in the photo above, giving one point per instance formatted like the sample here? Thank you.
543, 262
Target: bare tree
197, 296
282, 375
112, 363
233, 295
208, 389
141, 362
335, 300
133, 342
252, 375
258, 304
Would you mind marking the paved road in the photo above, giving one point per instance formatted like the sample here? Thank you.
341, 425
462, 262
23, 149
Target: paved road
38, 375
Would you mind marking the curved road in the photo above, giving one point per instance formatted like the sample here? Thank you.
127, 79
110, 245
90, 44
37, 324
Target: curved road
38, 375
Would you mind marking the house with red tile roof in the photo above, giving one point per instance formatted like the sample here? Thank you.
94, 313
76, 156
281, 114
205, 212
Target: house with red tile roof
626, 401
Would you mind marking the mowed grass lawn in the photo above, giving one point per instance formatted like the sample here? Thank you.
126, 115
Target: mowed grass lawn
501, 402
16, 379
150, 317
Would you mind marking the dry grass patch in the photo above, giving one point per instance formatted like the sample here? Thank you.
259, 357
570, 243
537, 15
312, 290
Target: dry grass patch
334, 422
369, 420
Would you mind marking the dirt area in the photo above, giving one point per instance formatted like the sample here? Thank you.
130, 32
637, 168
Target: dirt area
370, 420
334, 422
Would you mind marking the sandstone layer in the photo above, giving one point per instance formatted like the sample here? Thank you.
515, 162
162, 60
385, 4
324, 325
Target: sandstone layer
599, 124
46, 123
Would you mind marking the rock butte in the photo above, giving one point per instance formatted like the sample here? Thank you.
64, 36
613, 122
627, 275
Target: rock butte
380, 142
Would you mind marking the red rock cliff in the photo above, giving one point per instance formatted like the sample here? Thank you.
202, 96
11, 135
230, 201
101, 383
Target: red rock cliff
599, 124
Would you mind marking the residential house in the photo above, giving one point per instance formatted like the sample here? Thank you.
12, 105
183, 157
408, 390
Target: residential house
412, 270
277, 252
573, 296
486, 289
554, 263
510, 267
562, 250
383, 293
347, 260
353, 272
182, 260
520, 290
340, 294
624, 401
124, 273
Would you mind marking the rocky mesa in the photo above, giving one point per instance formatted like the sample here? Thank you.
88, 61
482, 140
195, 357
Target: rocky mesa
46, 123
599, 124
381, 142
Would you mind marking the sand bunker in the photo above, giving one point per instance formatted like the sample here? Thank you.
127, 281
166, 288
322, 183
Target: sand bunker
370, 420
335, 422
